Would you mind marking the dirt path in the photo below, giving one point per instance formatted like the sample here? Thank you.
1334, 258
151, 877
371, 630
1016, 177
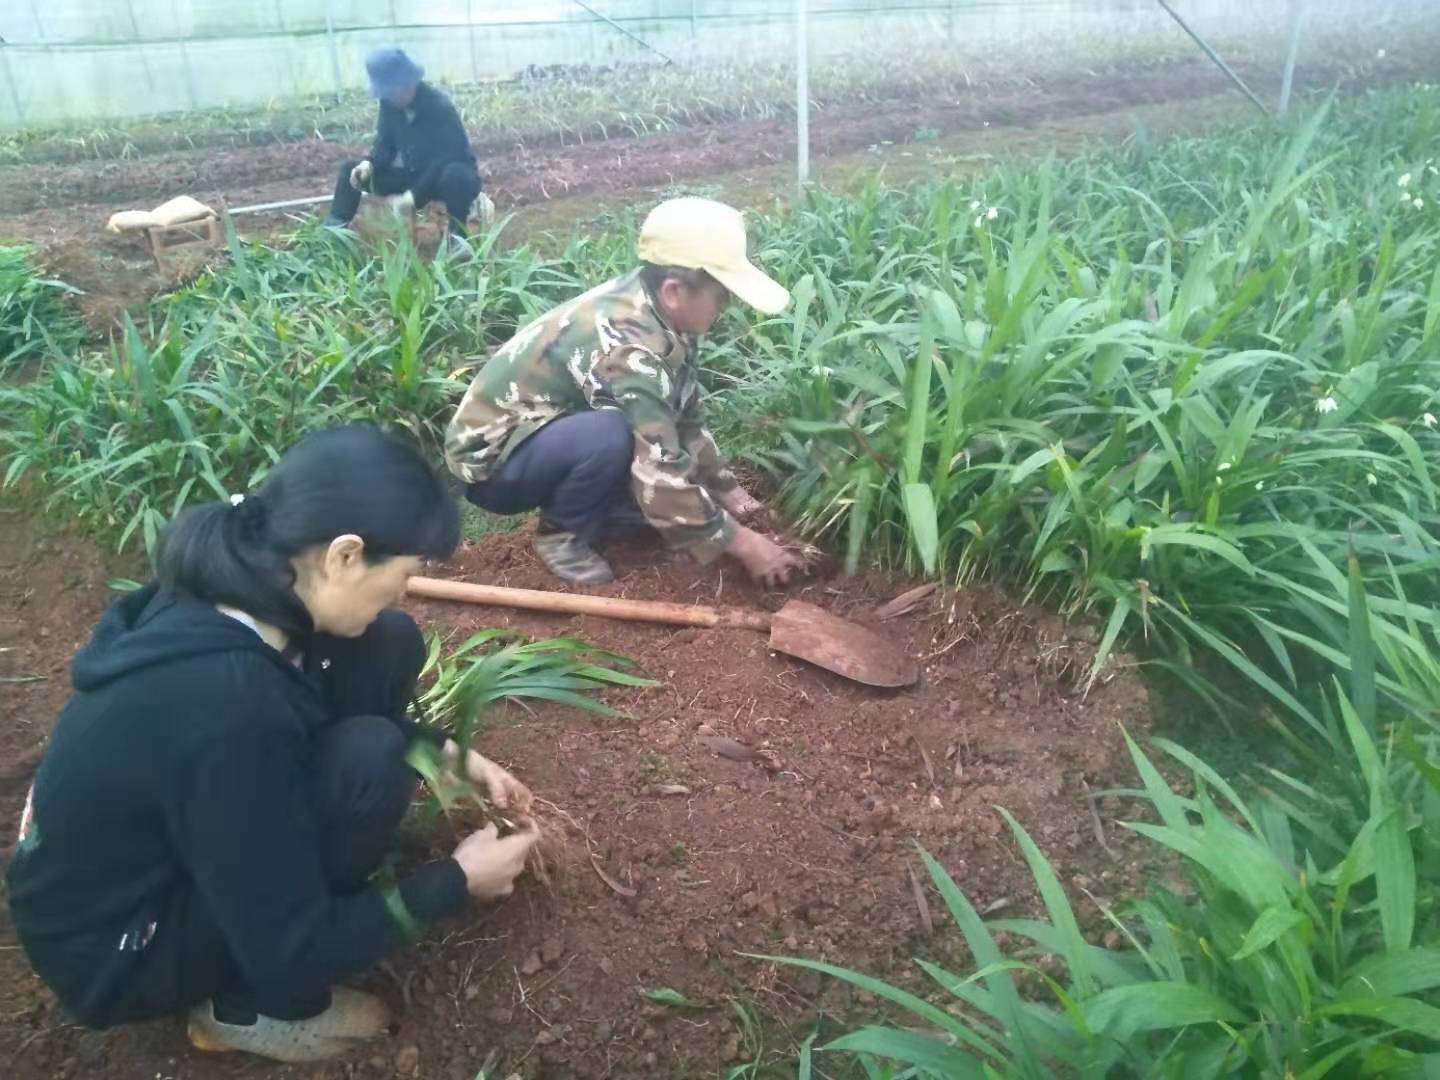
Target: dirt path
62, 208
808, 853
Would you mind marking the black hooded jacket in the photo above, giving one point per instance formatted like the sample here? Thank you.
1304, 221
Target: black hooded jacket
182, 760
423, 138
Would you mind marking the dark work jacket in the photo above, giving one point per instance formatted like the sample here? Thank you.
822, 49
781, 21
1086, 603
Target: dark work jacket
182, 762
422, 139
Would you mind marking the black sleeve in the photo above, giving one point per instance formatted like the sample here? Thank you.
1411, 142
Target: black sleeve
414, 729
248, 836
382, 153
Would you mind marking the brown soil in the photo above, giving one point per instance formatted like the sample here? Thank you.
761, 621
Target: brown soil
63, 207
808, 853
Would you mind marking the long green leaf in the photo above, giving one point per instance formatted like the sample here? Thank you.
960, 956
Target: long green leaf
1058, 905
1125, 1011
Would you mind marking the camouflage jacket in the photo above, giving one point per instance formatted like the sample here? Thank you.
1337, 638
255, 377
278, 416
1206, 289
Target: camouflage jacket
607, 349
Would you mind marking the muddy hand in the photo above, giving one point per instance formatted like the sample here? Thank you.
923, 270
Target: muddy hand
741, 503
764, 560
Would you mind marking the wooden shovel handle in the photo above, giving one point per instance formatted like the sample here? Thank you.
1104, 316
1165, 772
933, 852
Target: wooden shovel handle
651, 611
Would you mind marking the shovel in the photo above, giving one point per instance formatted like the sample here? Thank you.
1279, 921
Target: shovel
798, 629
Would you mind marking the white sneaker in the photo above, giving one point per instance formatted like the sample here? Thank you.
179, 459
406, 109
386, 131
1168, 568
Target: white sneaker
352, 1018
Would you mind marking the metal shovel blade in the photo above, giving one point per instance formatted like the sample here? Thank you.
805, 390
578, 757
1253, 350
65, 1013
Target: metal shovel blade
810, 633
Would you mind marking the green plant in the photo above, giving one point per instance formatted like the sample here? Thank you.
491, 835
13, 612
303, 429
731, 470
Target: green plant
230, 372
491, 666
1300, 943
1165, 388
34, 317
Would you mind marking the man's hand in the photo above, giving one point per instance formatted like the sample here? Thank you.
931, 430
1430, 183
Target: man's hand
506, 793
740, 502
360, 175
492, 863
765, 561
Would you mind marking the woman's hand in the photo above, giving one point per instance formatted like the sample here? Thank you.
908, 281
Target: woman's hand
492, 862
504, 790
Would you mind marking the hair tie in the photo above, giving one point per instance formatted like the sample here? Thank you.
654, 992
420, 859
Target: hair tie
248, 509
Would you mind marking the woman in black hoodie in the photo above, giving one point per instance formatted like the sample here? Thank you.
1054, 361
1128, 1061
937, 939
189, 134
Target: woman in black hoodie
206, 824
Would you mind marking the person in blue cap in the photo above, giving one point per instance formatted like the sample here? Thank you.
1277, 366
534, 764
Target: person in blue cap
421, 153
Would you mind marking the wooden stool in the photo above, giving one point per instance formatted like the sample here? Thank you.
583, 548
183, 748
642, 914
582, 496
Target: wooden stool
165, 238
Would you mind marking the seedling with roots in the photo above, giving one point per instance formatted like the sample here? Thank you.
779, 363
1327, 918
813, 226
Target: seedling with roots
489, 666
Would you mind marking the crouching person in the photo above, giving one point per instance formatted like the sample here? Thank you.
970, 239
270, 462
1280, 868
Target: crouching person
421, 153
206, 825
593, 413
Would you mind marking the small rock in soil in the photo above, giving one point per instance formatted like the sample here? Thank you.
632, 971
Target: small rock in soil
552, 949
532, 963
552, 1035
407, 1061
732, 1049
603, 1032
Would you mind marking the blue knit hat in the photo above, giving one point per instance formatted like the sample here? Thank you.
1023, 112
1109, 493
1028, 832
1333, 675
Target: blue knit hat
391, 71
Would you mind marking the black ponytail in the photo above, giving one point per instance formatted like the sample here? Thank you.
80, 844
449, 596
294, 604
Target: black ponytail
343, 480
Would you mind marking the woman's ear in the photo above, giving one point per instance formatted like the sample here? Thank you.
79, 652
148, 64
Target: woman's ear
344, 554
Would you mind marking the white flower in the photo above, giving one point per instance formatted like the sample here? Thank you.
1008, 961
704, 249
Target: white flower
1370, 479
991, 214
979, 222
1259, 485
1225, 465
1404, 181
1428, 419
1419, 203
974, 204
1326, 404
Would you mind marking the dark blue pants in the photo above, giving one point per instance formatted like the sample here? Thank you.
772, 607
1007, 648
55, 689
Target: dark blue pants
457, 185
360, 787
573, 470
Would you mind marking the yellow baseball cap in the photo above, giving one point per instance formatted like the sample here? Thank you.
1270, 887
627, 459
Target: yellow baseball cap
702, 234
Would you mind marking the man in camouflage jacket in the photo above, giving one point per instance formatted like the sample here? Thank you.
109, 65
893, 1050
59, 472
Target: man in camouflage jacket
599, 401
